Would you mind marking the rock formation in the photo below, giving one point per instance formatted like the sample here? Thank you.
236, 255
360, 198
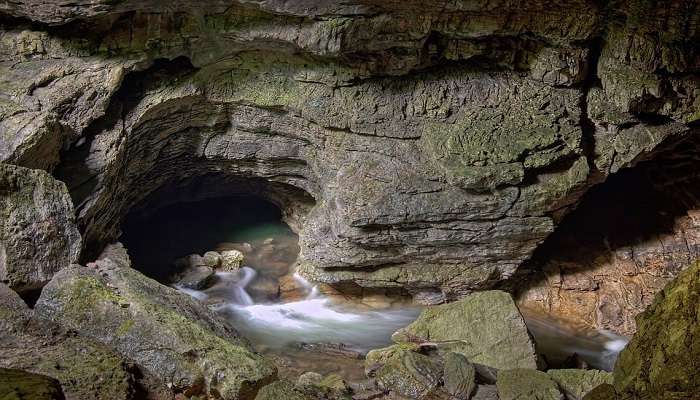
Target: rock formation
426, 148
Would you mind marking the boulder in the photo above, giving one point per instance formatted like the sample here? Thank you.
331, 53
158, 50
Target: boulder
84, 368
459, 376
280, 390
485, 392
38, 233
412, 375
663, 358
165, 332
526, 384
605, 391
486, 327
15, 384
196, 278
212, 259
190, 261
575, 383
231, 260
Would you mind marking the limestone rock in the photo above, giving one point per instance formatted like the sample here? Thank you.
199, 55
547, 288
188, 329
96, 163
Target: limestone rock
526, 384
165, 332
196, 278
576, 383
212, 259
231, 260
605, 391
280, 390
486, 392
411, 375
38, 235
459, 376
16, 384
661, 360
75, 362
486, 327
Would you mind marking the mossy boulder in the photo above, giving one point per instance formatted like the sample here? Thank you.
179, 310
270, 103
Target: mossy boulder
412, 375
459, 376
486, 327
662, 361
84, 368
165, 332
38, 234
575, 383
526, 384
281, 390
605, 391
22, 385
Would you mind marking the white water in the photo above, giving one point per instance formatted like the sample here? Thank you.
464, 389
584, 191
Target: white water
315, 319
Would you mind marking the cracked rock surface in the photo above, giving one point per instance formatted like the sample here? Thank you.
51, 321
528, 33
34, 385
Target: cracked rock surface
428, 148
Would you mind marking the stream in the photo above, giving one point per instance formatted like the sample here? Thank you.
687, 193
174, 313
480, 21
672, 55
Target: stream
310, 331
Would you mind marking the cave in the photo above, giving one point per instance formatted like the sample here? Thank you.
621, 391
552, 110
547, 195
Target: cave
255, 200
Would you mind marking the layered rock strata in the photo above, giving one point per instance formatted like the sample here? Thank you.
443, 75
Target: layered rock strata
425, 148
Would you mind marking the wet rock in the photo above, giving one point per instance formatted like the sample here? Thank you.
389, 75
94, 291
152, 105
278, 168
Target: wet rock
212, 259
281, 390
333, 349
264, 288
526, 384
662, 357
485, 392
38, 233
309, 379
231, 260
459, 376
486, 327
15, 384
165, 332
196, 278
575, 383
412, 375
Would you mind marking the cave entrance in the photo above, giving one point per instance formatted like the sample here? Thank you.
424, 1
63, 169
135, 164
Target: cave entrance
157, 240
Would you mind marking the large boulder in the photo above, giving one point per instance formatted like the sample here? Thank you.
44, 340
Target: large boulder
165, 332
576, 383
84, 368
526, 384
486, 327
38, 234
411, 375
662, 361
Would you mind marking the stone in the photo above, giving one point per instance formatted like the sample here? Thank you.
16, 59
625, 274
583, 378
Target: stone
165, 332
412, 375
196, 278
459, 376
485, 392
212, 259
16, 384
576, 383
75, 362
309, 379
526, 384
605, 391
661, 359
38, 232
231, 260
486, 327
280, 390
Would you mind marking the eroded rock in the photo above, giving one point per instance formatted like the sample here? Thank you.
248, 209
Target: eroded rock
576, 383
485, 327
526, 384
38, 233
165, 332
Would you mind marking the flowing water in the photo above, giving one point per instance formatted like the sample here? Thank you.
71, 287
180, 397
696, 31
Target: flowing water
309, 331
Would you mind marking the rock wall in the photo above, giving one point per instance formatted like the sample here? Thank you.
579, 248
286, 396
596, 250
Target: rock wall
430, 148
